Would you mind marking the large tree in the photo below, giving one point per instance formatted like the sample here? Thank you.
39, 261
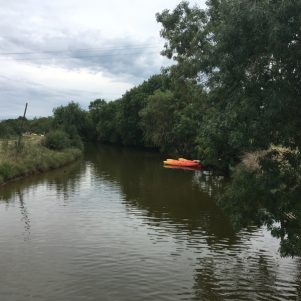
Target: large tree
246, 54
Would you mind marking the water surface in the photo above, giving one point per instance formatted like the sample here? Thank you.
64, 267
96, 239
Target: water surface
118, 226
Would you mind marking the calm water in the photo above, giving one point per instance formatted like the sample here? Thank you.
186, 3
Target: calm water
118, 226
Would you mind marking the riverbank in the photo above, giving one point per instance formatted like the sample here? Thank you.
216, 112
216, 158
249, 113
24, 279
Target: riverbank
32, 159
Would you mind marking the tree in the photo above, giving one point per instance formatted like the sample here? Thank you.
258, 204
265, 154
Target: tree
246, 55
40, 125
130, 105
95, 108
158, 119
106, 121
119, 121
74, 120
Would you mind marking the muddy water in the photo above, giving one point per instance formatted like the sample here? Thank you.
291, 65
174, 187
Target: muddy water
118, 226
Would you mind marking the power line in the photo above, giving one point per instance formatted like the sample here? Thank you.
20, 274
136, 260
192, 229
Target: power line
143, 46
78, 57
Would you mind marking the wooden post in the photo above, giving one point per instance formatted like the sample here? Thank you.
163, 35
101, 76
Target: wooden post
21, 129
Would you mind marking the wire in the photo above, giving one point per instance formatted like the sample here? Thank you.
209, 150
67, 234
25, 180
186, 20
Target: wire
82, 49
77, 57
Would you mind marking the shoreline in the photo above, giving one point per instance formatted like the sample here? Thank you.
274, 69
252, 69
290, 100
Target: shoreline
39, 161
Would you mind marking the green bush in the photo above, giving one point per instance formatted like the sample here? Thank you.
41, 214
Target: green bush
7, 170
76, 141
57, 140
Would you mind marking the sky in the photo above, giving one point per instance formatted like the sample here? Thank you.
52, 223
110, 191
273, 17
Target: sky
54, 52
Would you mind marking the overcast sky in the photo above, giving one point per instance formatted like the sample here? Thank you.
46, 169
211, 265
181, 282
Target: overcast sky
52, 52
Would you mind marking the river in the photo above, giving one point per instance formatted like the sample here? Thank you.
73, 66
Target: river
116, 225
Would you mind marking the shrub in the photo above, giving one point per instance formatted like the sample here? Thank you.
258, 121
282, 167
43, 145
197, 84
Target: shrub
57, 140
7, 170
77, 142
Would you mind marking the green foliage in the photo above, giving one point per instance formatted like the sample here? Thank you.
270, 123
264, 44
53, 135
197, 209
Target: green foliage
245, 54
158, 113
72, 119
40, 125
130, 105
128, 117
119, 121
57, 140
105, 116
95, 109
34, 158
11, 127
157, 120
7, 170
75, 139
71, 114
6, 131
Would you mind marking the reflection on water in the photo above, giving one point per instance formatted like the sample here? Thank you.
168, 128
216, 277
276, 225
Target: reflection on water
209, 182
279, 212
24, 213
118, 226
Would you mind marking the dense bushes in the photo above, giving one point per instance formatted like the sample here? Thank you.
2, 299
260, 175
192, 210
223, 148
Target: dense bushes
57, 140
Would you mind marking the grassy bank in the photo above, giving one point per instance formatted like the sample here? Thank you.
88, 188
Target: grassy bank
32, 158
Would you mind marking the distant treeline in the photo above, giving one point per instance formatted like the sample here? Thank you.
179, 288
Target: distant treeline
10, 128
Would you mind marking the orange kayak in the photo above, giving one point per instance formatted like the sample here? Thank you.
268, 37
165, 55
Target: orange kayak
182, 162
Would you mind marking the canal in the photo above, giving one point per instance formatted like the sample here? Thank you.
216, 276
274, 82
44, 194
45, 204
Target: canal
116, 225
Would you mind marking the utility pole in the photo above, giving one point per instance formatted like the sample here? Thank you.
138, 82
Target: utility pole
21, 129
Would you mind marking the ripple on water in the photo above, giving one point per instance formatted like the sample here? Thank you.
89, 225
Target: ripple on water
112, 231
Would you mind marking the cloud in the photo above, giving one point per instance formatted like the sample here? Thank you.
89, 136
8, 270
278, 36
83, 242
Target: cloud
119, 57
45, 87
76, 50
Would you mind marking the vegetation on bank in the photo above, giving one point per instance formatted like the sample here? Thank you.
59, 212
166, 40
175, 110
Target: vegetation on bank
32, 158
47, 143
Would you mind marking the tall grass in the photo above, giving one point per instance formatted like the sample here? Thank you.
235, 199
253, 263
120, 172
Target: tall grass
32, 158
